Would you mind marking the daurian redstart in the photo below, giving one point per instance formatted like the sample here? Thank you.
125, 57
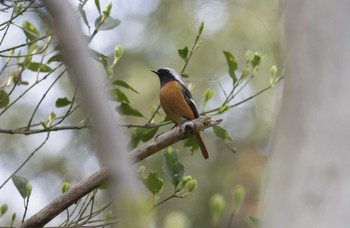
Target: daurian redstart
177, 102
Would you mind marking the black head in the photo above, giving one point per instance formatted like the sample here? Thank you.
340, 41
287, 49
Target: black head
167, 75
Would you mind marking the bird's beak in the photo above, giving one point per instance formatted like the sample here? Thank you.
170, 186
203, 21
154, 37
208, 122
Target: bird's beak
155, 72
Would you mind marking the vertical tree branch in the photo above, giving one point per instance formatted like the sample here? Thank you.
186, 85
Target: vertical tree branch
308, 175
94, 98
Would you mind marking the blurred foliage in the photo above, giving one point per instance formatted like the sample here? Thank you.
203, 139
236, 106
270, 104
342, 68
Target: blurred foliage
228, 53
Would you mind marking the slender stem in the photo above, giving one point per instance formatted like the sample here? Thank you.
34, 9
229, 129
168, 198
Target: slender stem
43, 97
154, 114
26, 160
26, 203
193, 49
9, 22
231, 218
6, 63
20, 13
245, 100
25, 44
27, 90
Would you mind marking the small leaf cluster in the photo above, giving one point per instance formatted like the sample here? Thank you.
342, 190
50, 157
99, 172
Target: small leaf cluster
218, 207
85, 211
174, 171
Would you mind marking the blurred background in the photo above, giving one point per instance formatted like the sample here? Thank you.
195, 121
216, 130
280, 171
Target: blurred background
151, 33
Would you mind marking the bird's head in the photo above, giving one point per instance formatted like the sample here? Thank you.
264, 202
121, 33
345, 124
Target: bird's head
167, 75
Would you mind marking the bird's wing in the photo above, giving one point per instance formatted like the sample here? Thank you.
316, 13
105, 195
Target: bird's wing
189, 99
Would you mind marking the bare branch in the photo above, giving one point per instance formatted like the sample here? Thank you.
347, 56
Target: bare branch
62, 202
172, 136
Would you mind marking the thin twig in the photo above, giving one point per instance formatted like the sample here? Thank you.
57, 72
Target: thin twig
193, 50
14, 17
28, 89
245, 100
26, 160
9, 22
43, 97
25, 44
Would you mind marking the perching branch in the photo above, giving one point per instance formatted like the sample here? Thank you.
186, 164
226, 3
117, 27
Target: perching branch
172, 136
145, 150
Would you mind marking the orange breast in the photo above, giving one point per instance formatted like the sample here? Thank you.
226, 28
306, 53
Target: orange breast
174, 103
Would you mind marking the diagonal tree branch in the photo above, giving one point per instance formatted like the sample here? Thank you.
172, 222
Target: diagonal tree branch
95, 180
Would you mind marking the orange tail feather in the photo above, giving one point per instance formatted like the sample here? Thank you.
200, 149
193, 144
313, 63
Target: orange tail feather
202, 146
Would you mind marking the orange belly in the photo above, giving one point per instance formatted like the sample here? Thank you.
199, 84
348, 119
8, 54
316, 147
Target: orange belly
174, 103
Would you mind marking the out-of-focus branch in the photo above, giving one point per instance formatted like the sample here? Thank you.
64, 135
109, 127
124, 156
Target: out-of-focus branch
108, 138
140, 153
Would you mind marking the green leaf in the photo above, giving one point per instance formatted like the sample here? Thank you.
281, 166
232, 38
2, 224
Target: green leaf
29, 189
27, 61
120, 96
55, 58
107, 12
107, 24
249, 56
83, 15
4, 99
148, 134
183, 53
191, 185
217, 205
43, 124
3, 209
153, 183
39, 67
256, 60
104, 186
118, 52
19, 9
209, 94
192, 143
124, 85
65, 187
52, 117
13, 218
108, 216
232, 149
107, 67
273, 75
62, 102
185, 75
223, 109
238, 195
20, 183
30, 31
172, 168
142, 134
201, 27
232, 65
222, 133
245, 74
127, 110
98, 7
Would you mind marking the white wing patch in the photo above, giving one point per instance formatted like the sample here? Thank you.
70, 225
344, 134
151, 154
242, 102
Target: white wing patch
194, 104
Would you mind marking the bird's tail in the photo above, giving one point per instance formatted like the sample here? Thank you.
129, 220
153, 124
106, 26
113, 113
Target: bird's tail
202, 146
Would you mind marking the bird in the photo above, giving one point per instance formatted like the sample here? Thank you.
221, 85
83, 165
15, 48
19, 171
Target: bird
177, 101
